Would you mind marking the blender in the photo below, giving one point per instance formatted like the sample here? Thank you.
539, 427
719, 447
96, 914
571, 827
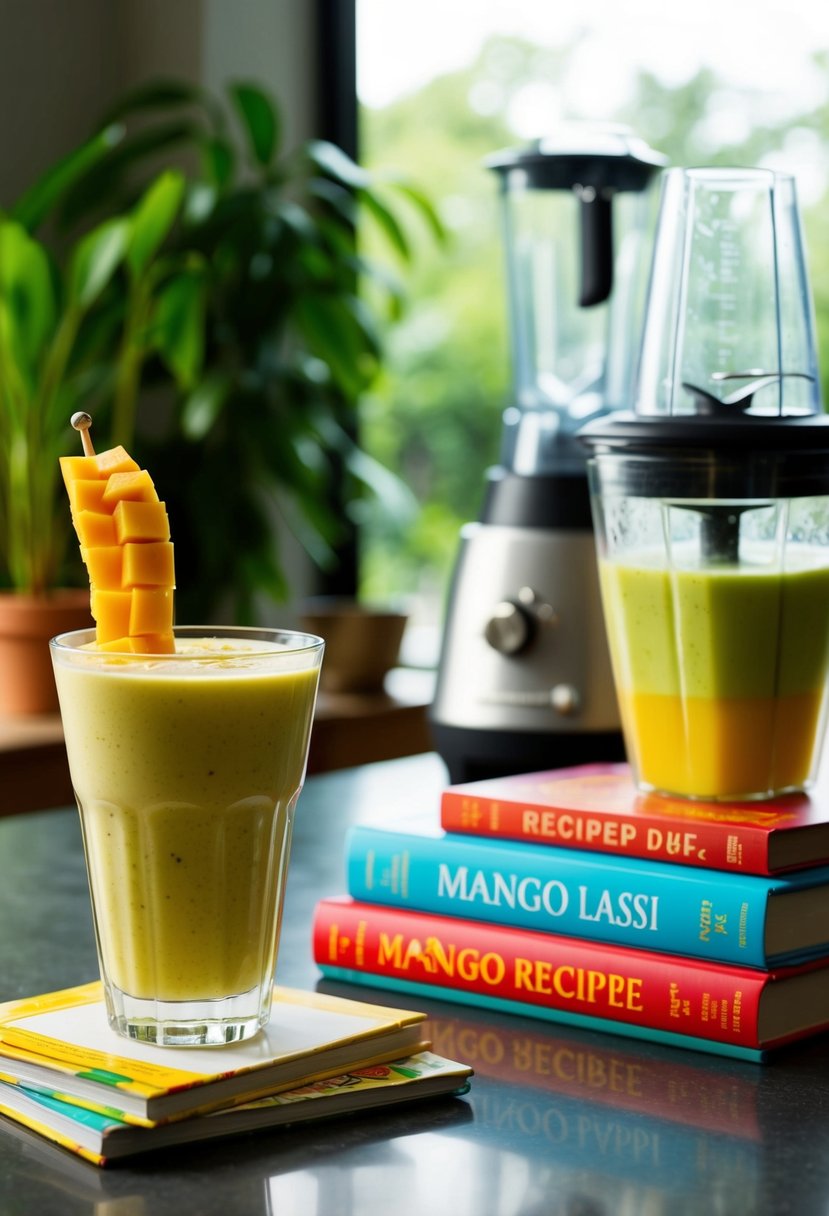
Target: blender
711, 501
524, 679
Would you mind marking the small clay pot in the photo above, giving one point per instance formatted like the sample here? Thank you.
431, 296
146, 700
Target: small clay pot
27, 684
362, 644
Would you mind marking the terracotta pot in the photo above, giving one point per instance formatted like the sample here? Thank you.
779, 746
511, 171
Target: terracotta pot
27, 685
362, 644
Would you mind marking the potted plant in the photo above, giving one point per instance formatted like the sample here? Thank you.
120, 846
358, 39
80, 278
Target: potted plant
291, 335
74, 331
241, 283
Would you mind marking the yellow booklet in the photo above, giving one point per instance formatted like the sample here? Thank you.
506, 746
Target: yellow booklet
101, 1138
63, 1042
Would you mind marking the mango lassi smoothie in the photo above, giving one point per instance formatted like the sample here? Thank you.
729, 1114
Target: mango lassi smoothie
186, 769
720, 671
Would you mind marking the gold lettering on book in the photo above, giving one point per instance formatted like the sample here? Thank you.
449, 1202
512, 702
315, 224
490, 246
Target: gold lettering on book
579, 984
435, 959
578, 829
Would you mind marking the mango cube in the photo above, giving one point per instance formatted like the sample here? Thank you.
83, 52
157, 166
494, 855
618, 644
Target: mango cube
116, 460
94, 529
152, 611
78, 468
136, 521
136, 486
157, 643
150, 644
87, 495
104, 563
148, 565
111, 611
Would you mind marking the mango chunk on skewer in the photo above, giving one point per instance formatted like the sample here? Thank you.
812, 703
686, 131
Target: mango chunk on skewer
137, 521
94, 528
147, 644
125, 544
151, 612
111, 613
149, 564
105, 564
137, 487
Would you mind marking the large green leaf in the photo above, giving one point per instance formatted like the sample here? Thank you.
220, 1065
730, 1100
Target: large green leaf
178, 326
166, 95
219, 161
112, 178
259, 120
35, 204
387, 220
28, 294
331, 332
422, 204
152, 219
203, 406
95, 260
332, 161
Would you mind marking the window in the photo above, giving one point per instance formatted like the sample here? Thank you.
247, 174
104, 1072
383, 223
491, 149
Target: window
441, 85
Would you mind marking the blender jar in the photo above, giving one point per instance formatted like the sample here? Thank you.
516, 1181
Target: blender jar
577, 216
711, 503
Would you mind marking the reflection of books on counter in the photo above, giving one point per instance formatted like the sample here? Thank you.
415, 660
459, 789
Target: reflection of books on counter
682, 1001
700, 1091
597, 807
62, 1041
602, 1154
102, 1138
746, 919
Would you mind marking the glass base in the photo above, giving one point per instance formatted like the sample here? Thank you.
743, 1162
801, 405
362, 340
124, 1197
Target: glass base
205, 1023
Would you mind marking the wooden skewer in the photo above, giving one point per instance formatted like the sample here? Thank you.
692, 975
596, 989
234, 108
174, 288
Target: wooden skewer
82, 422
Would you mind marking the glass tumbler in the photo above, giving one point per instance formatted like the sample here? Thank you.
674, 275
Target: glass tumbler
187, 768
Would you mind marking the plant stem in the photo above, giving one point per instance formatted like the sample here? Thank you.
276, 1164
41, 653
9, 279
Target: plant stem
129, 364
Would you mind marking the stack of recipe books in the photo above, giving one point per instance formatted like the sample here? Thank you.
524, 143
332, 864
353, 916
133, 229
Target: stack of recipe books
570, 896
66, 1075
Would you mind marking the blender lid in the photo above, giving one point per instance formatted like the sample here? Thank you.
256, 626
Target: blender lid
604, 156
652, 433
692, 456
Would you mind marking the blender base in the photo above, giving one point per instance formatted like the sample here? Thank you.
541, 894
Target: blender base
475, 755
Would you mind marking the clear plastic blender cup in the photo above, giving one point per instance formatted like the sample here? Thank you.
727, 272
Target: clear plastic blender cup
711, 503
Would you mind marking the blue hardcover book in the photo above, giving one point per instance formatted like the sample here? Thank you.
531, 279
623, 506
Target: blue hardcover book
751, 920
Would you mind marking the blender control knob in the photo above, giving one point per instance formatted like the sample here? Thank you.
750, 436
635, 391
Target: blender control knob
565, 699
510, 628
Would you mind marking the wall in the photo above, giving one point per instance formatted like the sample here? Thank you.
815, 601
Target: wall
62, 62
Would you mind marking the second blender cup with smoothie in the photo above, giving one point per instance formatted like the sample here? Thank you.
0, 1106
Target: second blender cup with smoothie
711, 502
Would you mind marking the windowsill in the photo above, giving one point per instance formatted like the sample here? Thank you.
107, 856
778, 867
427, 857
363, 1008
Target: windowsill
349, 729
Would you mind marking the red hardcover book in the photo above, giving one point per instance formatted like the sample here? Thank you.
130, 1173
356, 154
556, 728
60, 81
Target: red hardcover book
668, 998
598, 807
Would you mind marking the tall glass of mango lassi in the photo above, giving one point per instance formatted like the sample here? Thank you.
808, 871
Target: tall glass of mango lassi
187, 767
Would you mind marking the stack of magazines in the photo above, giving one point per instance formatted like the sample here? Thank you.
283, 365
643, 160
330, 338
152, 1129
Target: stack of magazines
569, 896
66, 1075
